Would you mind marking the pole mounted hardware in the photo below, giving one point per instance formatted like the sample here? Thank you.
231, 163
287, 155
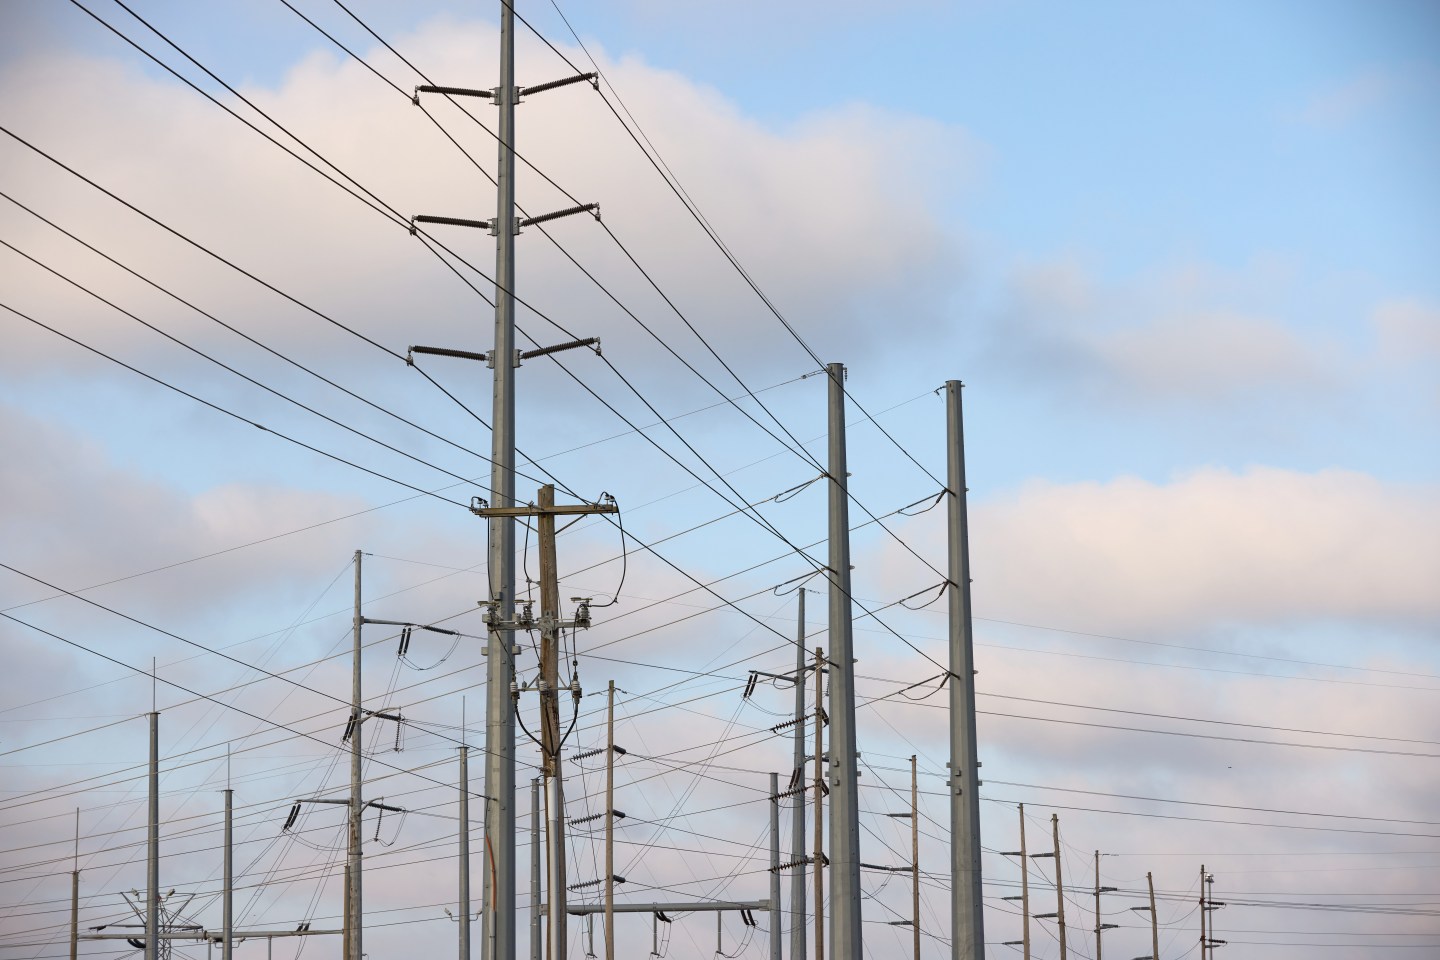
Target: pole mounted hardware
489, 358
592, 78
493, 225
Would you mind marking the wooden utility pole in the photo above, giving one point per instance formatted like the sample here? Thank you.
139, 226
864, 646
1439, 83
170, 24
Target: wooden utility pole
1204, 950
1154, 921
1099, 926
545, 511
819, 810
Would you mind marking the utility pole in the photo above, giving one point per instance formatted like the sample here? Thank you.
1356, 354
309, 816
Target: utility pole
1024, 898
797, 822
846, 934
610, 823
1154, 921
152, 853
498, 884
1059, 882
227, 909
775, 913
966, 909
1099, 890
819, 809
1203, 935
545, 511
75, 895
464, 891
498, 894
354, 916
535, 868
915, 852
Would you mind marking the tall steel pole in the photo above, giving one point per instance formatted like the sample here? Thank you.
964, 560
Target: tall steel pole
75, 894
846, 937
464, 850
499, 881
227, 910
775, 914
610, 822
819, 809
152, 852
1059, 883
915, 853
1024, 888
535, 938
967, 917
356, 926
1098, 927
797, 823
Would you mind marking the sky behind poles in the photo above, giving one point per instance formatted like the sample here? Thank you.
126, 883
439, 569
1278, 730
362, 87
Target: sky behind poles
1182, 256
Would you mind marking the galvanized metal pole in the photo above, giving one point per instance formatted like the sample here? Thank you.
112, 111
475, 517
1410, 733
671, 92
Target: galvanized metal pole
1059, 883
1024, 887
499, 882
152, 852
775, 913
227, 909
357, 808
846, 937
610, 823
1097, 905
967, 916
915, 852
75, 894
1202, 912
535, 938
797, 823
464, 892
819, 809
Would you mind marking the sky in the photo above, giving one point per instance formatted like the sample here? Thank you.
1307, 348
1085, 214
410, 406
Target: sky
1182, 256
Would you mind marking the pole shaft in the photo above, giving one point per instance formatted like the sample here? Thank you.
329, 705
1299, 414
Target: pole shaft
1097, 905
75, 895
915, 852
1203, 950
464, 891
499, 883
535, 937
775, 935
819, 808
845, 932
797, 814
967, 910
1059, 883
610, 823
1024, 886
227, 943
152, 851
1154, 921
550, 735
357, 808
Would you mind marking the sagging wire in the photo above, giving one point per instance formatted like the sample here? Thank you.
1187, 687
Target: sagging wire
935, 502
624, 550
798, 582
402, 653
380, 818
942, 677
940, 592
796, 490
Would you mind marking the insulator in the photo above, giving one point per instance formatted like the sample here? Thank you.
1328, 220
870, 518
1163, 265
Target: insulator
290, 820
750, 686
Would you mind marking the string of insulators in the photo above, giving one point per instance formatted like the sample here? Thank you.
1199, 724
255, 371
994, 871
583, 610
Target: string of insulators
290, 820
404, 642
748, 918
618, 814
595, 883
349, 729
802, 862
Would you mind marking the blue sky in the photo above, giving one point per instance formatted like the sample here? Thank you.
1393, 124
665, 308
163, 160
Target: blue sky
1182, 255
